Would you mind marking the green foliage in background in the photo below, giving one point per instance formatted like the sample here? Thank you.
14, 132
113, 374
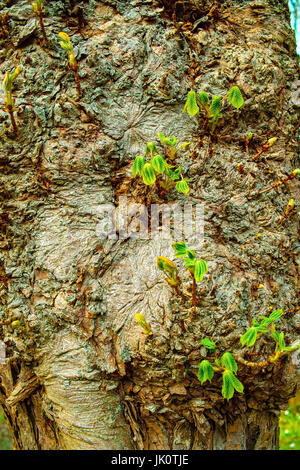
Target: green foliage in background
5, 438
290, 426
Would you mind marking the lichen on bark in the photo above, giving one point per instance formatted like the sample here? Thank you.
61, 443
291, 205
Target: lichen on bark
80, 374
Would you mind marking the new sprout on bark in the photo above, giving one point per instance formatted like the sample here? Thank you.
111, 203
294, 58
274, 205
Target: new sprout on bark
288, 211
266, 147
39, 12
170, 270
196, 267
225, 365
146, 326
290, 177
266, 326
157, 169
212, 108
9, 103
171, 144
247, 141
209, 344
73, 64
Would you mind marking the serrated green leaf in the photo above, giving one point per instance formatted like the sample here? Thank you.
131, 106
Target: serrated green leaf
237, 385
265, 321
180, 249
208, 344
227, 387
275, 315
173, 175
191, 106
200, 270
190, 264
158, 163
235, 97
137, 166
148, 174
191, 254
275, 334
281, 341
173, 141
182, 187
249, 338
216, 106
228, 361
204, 99
205, 371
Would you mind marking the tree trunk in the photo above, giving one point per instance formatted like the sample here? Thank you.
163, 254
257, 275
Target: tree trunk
79, 373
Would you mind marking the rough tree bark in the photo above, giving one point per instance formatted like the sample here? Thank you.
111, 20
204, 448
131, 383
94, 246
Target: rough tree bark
80, 375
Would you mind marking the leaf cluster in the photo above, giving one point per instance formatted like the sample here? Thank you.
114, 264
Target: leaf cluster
7, 87
225, 365
158, 167
197, 267
171, 143
259, 328
212, 108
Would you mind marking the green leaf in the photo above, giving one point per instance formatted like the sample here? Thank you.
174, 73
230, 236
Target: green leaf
281, 341
173, 175
205, 371
218, 362
190, 264
158, 163
208, 344
275, 315
176, 173
150, 148
227, 387
249, 338
275, 334
137, 166
263, 328
148, 174
191, 254
172, 141
237, 385
191, 106
215, 107
200, 270
265, 321
182, 186
228, 361
204, 99
235, 97
161, 137
249, 137
180, 249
